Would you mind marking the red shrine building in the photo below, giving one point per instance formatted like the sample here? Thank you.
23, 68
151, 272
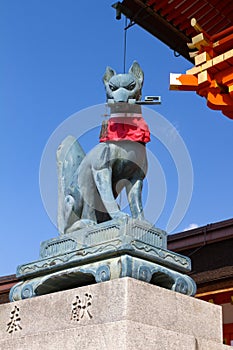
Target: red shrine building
200, 31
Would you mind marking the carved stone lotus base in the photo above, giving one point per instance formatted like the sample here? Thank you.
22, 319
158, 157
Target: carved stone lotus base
114, 249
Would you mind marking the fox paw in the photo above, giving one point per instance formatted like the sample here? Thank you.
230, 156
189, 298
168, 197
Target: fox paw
78, 225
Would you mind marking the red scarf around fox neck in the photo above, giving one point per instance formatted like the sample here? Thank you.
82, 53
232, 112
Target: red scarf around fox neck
125, 123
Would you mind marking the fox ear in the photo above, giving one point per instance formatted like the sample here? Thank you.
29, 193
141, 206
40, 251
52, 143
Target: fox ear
137, 72
108, 74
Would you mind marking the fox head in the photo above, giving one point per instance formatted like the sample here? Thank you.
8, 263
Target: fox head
122, 87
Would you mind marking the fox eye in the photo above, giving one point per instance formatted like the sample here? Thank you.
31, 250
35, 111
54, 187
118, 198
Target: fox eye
131, 86
113, 87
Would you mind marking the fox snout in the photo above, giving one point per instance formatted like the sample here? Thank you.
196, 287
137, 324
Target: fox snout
120, 95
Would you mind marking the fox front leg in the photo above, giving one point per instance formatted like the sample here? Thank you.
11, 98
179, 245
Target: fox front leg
103, 181
134, 193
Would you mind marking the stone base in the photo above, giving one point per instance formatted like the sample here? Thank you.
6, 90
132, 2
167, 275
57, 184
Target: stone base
114, 249
101, 271
119, 314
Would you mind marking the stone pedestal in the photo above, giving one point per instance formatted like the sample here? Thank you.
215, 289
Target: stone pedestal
119, 314
113, 249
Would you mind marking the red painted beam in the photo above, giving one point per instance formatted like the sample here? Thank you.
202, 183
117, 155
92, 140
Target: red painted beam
160, 5
170, 8
184, 17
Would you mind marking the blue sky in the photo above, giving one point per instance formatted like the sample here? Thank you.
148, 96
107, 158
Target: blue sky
53, 57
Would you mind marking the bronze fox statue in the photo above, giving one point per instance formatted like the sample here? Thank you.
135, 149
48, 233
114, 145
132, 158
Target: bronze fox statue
88, 185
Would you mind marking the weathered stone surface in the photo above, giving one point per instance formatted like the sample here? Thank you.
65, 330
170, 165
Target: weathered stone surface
209, 345
176, 312
119, 314
119, 335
